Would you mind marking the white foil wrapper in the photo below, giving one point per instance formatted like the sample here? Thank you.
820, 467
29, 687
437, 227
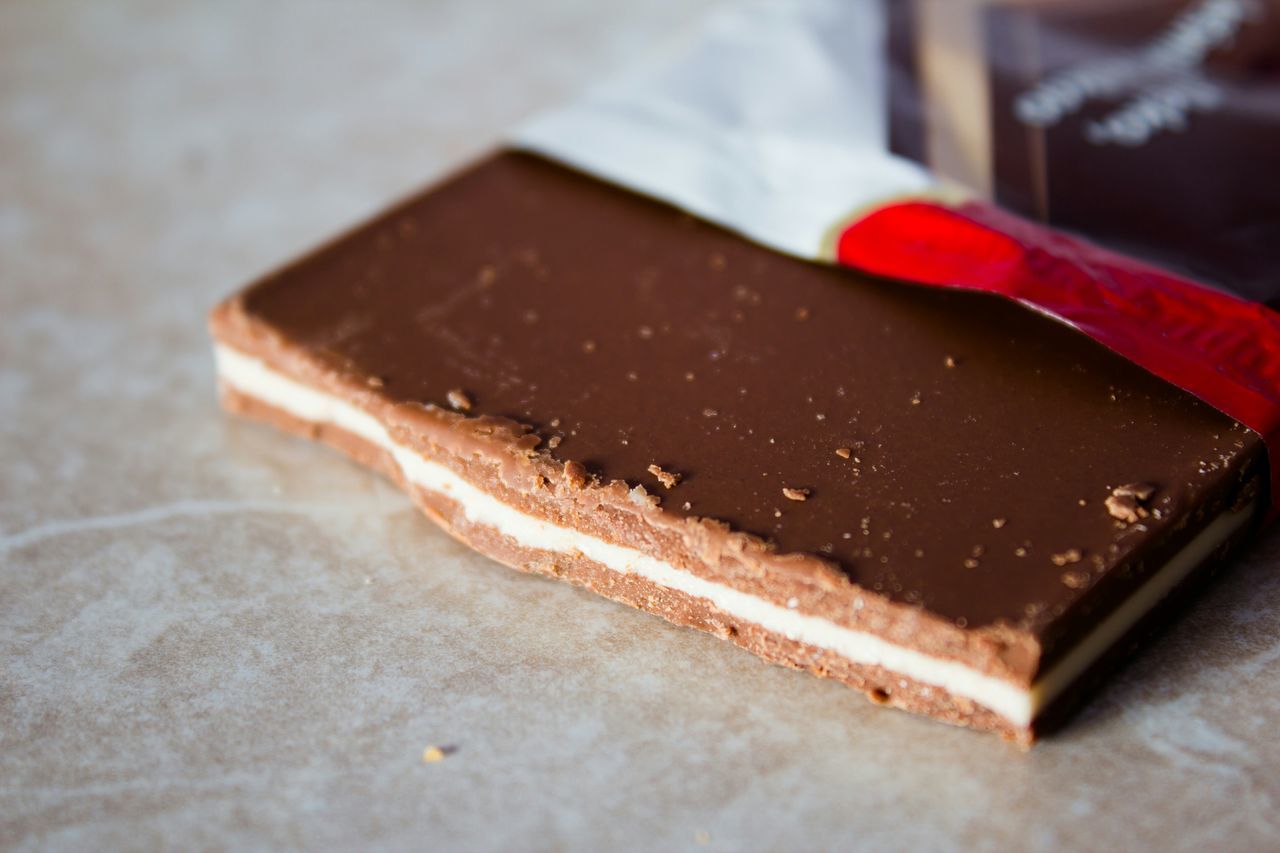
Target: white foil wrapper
770, 119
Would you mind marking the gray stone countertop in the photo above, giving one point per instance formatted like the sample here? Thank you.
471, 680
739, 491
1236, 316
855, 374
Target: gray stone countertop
213, 636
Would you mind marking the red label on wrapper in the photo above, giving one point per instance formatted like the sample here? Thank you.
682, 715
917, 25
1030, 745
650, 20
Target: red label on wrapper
1223, 349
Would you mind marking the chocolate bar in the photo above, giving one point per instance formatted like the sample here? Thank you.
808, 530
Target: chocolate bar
945, 500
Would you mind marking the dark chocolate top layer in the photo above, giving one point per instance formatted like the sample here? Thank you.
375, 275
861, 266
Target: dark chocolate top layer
951, 449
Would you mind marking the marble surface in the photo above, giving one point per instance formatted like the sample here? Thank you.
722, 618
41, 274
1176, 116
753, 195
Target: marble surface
215, 636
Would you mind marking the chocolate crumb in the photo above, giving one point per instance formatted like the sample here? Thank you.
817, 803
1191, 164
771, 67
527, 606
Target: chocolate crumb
688, 376
1127, 503
950, 361
667, 479
645, 332
686, 506
554, 442
1071, 555
971, 563
844, 452
1124, 509
1075, 580
1082, 502
374, 381
802, 313
555, 422
795, 494
1020, 551
709, 413
459, 400
915, 399
997, 523
575, 474
588, 346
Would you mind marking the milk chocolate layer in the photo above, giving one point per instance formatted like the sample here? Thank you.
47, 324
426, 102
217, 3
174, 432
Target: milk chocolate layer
952, 453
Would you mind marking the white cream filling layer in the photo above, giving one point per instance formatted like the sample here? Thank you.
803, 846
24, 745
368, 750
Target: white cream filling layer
1018, 705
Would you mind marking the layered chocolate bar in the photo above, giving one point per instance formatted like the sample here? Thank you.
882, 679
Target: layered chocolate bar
945, 500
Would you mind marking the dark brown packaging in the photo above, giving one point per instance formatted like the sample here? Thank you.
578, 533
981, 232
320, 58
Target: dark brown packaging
1150, 126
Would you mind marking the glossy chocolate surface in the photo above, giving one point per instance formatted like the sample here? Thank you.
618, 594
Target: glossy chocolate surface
982, 439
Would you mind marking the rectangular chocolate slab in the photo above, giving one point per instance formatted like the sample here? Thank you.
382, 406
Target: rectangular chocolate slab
947, 501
